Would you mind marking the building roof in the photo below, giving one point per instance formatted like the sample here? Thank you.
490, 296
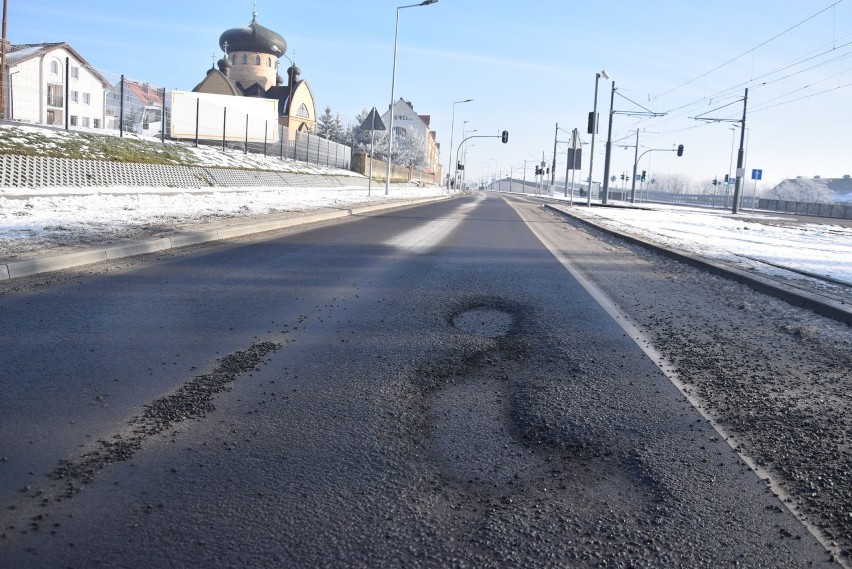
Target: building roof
23, 52
253, 38
145, 93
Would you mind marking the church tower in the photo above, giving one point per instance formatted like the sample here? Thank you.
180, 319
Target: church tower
253, 52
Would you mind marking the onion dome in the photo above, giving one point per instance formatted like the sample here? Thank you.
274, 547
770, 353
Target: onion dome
253, 38
224, 66
293, 73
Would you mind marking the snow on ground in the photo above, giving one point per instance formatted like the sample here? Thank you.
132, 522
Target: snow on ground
749, 240
62, 219
44, 141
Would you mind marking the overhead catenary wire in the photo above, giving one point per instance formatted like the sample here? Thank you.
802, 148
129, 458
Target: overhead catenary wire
773, 38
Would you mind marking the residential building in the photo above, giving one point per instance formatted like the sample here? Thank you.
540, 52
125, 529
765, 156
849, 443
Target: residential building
51, 83
407, 123
142, 108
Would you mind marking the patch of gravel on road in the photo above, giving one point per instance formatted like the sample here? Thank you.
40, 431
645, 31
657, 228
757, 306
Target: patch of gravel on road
192, 400
775, 377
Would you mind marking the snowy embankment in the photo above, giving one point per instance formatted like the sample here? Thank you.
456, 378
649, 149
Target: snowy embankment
758, 242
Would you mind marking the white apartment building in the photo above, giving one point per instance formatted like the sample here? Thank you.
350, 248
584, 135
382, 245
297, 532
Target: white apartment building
51, 83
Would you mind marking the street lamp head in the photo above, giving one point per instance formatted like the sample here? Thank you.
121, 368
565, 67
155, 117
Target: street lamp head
605, 75
427, 2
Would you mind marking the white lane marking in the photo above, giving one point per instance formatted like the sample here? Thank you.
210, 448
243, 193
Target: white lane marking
422, 239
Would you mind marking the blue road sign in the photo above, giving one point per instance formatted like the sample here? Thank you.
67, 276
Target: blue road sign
757, 174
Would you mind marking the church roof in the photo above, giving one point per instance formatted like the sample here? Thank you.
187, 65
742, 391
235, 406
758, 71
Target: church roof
253, 38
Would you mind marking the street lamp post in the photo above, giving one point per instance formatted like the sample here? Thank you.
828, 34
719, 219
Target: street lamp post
451, 171
594, 125
393, 89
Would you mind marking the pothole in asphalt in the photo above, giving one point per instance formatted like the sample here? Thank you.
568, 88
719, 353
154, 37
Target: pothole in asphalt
484, 322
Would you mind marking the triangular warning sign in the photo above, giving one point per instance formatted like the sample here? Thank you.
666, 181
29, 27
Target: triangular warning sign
373, 121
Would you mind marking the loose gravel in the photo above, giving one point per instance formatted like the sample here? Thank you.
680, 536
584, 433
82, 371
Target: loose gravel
776, 378
192, 400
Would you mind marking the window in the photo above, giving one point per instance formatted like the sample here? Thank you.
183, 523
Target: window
269, 62
303, 111
74, 96
234, 59
87, 98
245, 59
97, 123
86, 122
75, 72
55, 96
257, 60
400, 131
73, 120
54, 68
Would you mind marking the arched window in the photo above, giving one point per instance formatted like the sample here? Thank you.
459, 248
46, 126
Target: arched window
400, 131
245, 59
303, 111
234, 59
269, 62
257, 60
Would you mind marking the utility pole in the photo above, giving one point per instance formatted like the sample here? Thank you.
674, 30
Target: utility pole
605, 192
635, 166
740, 158
553, 168
3, 66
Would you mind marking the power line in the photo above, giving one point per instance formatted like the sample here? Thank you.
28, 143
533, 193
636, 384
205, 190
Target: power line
749, 51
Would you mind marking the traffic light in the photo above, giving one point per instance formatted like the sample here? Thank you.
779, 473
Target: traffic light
548, 170
592, 127
622, 176
642, 179
680, 150
505, 136
726, 179
715, 182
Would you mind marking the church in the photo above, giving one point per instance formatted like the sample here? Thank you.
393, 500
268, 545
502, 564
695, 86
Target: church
249, 68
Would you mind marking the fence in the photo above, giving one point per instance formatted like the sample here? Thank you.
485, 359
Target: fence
836, 211
361, 164
75, 97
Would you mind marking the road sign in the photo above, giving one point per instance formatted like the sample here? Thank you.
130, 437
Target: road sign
373, 121
757, 174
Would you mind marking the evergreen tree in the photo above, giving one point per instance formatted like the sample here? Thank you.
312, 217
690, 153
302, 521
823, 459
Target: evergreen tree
328, 126
355, 135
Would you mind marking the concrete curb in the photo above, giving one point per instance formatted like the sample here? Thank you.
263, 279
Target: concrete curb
835, 310
17, 269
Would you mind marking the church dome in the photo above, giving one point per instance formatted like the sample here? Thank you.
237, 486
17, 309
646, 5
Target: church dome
253, 38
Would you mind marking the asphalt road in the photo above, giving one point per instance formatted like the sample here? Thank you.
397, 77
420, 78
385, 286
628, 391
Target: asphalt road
428, 387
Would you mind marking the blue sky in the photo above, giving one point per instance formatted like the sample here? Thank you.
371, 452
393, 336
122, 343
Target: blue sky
527, 66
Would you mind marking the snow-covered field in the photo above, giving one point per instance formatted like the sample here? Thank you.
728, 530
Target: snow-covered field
760, 242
